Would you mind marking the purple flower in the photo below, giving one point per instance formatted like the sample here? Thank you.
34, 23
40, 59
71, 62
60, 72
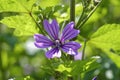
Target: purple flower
58, 42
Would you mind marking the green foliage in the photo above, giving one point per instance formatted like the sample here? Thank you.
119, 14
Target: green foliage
107, 37
79, 66
62, 68
100, 13
48, 3
23, 15
23, 24
106, 29
16, 5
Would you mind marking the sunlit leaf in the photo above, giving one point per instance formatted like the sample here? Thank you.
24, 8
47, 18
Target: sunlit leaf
107, 37
16, 5
105, 29
62, 68
23, 24
48, 3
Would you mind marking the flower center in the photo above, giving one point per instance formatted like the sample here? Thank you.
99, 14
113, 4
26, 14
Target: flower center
57, 43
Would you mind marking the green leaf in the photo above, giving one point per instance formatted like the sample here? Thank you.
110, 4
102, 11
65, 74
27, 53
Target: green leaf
107, 37
48, 3
79, 67
23, 24
62, 68
105, 29
16, 5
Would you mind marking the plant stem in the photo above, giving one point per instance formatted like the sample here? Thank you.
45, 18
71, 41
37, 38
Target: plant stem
83, 51
81, 23
72, 10
72, 17
80, 18
36, 23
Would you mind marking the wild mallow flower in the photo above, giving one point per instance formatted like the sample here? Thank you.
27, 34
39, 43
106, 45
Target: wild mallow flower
58, 42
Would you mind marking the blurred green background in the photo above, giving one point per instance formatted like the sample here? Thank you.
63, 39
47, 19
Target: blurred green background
20, 59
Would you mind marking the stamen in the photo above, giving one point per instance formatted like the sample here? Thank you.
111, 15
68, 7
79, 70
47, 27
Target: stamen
57, 43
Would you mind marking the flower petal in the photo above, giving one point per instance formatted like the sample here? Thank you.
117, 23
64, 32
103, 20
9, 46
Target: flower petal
71, 47
52, 29
72, 44
78, 56
54, 52
69, 32
42, 41
70, 51
57, 54
68, 27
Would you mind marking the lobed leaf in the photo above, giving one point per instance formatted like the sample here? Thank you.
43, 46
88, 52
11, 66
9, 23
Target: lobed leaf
105, 29
23, 24
107, 37
16, 5
48, 3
